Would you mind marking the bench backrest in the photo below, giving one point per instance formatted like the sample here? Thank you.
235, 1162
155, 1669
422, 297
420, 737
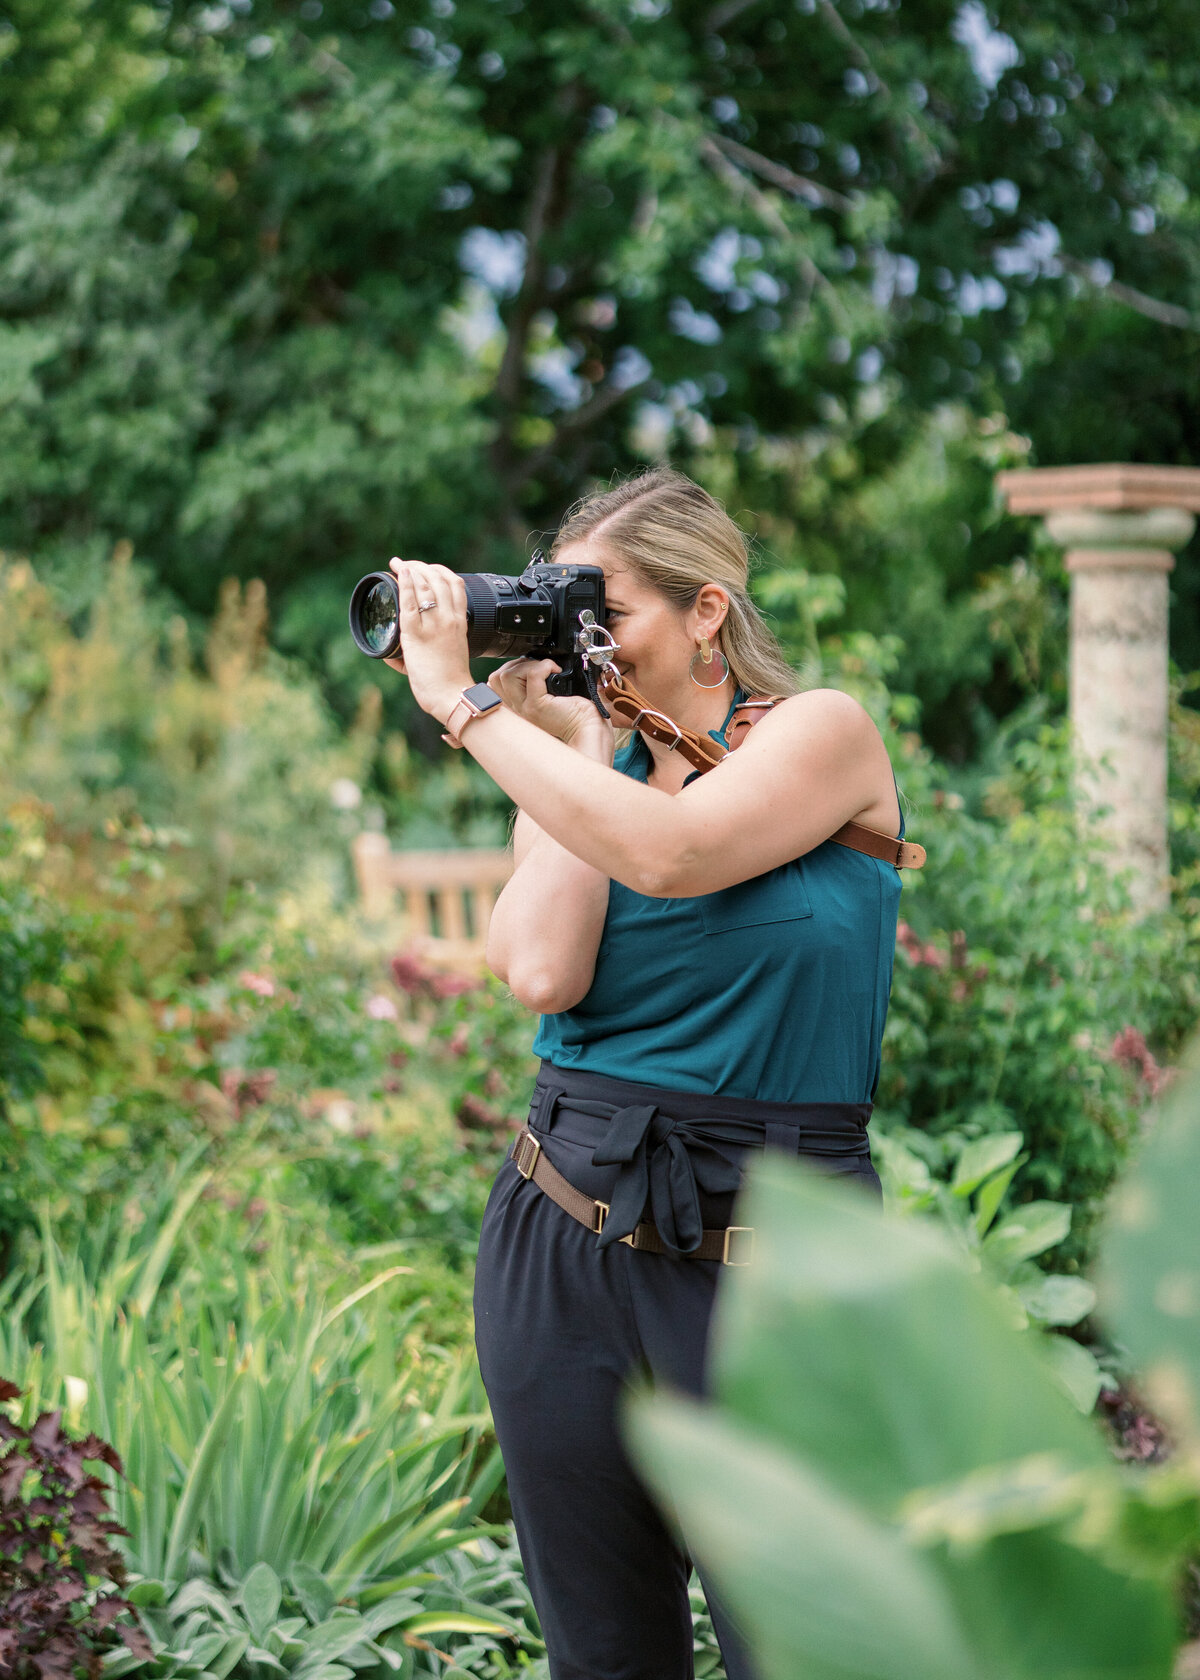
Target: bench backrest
445, 897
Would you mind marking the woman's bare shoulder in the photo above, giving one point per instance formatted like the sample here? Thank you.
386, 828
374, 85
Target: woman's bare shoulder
832, 711
826, 732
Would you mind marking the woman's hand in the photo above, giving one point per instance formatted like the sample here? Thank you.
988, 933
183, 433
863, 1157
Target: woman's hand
433, 643
572, 718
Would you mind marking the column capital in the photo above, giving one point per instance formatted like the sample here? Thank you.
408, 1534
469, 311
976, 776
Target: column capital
1114, 517
1115, 487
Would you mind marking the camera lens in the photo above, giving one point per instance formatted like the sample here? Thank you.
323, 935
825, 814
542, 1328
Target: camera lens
375, 615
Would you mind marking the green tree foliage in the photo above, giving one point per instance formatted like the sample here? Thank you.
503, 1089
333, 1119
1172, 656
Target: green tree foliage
279, 282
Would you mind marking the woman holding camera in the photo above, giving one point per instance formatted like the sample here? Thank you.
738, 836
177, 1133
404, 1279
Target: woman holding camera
712, 971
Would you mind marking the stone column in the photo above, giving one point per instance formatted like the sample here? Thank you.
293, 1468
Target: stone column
1120, 527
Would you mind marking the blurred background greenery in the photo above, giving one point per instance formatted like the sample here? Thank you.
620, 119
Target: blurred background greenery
277, 281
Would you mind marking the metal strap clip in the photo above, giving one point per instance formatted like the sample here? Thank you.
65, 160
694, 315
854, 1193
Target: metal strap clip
742, 1230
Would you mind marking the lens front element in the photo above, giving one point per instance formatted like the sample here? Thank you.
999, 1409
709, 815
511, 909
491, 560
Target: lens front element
375, 615
379, 617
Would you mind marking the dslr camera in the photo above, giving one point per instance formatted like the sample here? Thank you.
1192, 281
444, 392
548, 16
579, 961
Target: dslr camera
549, 612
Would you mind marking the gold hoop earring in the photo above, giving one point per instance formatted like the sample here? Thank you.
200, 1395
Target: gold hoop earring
709, 658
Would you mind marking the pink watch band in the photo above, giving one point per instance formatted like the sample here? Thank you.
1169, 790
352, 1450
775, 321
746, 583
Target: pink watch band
464, 709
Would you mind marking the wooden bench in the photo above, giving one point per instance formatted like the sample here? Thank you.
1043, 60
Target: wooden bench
444, 897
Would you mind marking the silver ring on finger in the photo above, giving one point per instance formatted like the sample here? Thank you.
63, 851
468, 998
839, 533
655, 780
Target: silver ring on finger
424, 606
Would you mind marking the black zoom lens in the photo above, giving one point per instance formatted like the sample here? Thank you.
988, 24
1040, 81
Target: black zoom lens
375, 615
535, 615
505, 617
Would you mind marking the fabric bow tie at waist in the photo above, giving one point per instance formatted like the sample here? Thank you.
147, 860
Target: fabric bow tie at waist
666, 1162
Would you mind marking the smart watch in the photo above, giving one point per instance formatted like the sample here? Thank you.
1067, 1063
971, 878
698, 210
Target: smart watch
473, 702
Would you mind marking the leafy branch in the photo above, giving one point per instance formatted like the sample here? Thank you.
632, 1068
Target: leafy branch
55, 1546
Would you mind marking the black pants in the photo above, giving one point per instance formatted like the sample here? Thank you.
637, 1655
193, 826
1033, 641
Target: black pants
561, 1326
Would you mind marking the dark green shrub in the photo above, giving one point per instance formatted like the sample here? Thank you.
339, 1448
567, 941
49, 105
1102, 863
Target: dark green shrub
124, 735
32, 950
1026, 996
34, 945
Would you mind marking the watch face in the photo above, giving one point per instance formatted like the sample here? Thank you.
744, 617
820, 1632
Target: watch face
479, 694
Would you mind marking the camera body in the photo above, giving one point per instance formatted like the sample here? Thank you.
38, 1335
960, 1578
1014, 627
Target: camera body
550, 611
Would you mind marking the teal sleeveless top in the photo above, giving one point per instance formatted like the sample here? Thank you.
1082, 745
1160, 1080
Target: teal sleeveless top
776, 988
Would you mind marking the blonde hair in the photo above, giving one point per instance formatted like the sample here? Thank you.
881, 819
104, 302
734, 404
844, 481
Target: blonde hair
674, 537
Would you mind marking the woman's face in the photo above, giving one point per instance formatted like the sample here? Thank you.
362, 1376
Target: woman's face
656, 640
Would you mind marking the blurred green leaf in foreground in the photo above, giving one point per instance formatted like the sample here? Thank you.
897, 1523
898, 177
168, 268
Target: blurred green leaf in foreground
890, 1482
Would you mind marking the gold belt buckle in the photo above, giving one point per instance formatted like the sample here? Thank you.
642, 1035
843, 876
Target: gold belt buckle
745, 1230
601, 1216
533, 1158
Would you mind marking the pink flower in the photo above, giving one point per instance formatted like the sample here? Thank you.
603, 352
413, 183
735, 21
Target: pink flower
476, 1116
410, 973
260, 983
415, 976
381, 1008
1129, 1049
920, 955
247, 1090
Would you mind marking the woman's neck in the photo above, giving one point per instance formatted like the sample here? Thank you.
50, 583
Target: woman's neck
702, 711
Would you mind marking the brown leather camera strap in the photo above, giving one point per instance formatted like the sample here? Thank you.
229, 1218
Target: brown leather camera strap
633, 711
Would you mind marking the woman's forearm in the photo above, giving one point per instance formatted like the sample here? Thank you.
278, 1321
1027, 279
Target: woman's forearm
624, 829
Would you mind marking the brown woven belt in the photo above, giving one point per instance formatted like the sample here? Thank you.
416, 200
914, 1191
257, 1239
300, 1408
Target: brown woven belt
533, 1164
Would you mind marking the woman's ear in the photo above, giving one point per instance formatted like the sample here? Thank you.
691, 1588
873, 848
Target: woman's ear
710, 609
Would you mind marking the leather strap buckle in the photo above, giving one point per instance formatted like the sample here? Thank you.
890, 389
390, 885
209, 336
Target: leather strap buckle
660, 717
742, 1230
523, 1155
